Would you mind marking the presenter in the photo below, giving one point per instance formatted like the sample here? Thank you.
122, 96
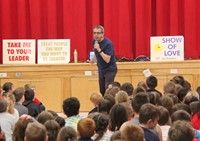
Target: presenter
105, 58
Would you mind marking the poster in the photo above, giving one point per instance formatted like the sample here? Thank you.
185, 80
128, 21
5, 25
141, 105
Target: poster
54, 51
19, 51
167, 48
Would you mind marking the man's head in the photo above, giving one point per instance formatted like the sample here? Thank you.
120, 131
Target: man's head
98, 33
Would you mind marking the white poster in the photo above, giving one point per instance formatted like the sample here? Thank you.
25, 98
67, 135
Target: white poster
167, 48
18, 51
54, 51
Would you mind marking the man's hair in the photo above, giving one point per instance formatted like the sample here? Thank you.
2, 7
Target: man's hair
99, 27
148, 111
127, 87
151, 82
71, 106
86, 127
7, 86
139, 100
29, 94
18, 93
181, 131
35, 132
132, 132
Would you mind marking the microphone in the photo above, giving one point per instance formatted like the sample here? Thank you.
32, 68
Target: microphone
95, 42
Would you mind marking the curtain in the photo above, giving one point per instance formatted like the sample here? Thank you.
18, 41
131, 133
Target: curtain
128, 23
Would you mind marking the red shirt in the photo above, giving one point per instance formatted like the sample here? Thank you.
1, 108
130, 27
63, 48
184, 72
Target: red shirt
36, 101
196, 121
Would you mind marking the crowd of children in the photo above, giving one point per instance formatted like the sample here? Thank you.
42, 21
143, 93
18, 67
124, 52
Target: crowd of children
123, 113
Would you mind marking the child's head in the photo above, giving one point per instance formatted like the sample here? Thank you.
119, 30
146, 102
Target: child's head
149, 115
96, 98
86, 127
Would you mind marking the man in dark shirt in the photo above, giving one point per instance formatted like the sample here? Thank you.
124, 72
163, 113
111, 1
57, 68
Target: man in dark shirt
105, 57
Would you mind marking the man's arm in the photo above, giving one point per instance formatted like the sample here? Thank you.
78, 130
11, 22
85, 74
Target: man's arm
105, 57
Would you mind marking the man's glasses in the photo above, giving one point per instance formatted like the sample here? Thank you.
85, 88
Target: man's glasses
97, 33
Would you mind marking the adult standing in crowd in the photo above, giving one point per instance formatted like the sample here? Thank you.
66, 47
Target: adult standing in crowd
105, 58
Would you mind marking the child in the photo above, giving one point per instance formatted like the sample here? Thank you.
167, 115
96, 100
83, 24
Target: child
86, 129
95, 98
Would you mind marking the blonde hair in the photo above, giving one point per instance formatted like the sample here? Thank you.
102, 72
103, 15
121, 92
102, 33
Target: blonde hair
10, 98
96, 98
193, 93
121, 96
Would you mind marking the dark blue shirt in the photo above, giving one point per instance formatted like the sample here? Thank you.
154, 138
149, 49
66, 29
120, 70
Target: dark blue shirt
149, 135
107, 47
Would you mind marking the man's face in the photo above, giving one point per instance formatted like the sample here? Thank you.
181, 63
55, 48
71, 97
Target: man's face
98, 34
